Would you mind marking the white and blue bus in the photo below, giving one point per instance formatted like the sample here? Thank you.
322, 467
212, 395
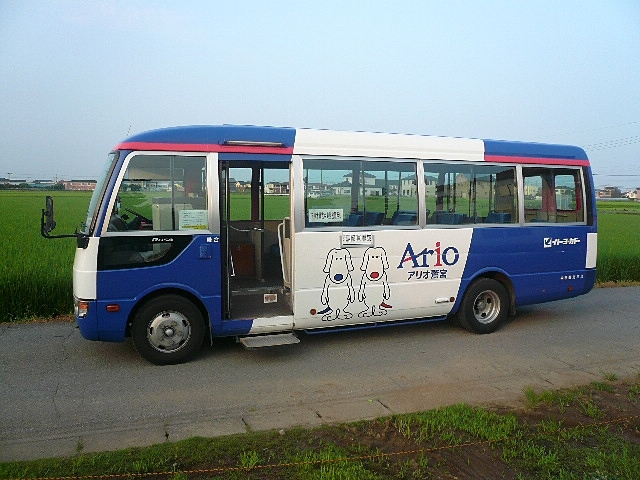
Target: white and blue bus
258, 232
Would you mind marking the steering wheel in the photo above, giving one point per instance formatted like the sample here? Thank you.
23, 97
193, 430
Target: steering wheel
137, 221
117, 224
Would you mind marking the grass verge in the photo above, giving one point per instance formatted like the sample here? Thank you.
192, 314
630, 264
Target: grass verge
588, 432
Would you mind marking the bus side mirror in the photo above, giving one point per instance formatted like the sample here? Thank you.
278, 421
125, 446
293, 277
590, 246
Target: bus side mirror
48, 222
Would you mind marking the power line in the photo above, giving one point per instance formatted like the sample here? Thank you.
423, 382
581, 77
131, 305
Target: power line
619, 142
596, 129
613, 175
51, 174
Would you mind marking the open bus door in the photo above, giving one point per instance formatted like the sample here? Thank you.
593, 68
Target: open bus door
255, 208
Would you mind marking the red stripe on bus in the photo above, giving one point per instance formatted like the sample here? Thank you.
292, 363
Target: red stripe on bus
204, 147
535, 160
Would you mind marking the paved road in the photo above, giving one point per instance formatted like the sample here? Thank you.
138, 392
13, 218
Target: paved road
60, 392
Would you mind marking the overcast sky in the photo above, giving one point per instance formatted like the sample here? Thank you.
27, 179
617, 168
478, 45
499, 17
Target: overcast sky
76, 77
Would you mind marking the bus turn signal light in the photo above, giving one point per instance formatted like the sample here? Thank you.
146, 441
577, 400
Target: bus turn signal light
81, 308
114, 307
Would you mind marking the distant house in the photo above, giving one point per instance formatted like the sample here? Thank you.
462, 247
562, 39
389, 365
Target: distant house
316, 190
277, 188
42, 183
609, 192
79, 184
372, 186
342, 188
14, 182
369, 179
241, 186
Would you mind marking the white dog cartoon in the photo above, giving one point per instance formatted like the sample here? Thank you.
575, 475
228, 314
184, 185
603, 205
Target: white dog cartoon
337, 292
374, 287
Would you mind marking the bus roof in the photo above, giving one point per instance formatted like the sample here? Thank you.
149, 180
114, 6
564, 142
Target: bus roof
288, 141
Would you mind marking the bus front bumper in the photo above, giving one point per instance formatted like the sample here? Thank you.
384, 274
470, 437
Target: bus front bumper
109, 327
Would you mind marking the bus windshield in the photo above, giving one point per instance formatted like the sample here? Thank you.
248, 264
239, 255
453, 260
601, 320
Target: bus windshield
87, 227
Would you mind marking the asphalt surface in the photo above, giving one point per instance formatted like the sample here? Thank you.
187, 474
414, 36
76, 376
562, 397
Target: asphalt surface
62, 394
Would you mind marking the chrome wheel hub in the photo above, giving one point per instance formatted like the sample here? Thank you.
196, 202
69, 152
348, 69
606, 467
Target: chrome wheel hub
168, 331
486, 308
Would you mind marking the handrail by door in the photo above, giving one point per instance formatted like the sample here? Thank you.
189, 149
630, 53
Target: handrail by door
285, 251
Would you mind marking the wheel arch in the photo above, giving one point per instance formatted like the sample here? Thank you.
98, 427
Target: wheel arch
496, 275
170, 291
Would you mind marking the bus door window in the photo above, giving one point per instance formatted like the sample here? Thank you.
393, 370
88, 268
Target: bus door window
254, 200
240, 210
257, 201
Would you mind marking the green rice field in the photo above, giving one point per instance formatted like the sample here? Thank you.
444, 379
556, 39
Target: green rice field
36, 274
618, 241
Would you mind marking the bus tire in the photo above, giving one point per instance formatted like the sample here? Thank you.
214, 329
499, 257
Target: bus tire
167, 330
484, 307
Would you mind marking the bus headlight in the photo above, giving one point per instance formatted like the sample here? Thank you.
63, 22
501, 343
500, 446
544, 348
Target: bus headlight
81, 308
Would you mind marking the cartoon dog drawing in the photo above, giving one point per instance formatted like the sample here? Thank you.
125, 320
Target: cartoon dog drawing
374, 287
337, 292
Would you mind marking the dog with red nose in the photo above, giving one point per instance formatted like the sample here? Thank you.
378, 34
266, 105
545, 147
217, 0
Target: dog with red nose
374, 288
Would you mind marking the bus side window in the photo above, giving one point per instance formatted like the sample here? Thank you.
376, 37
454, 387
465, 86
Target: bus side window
459, 194
360, 193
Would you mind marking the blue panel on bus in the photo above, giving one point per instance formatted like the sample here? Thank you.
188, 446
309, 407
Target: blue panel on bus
537, 150
522, 254
217, 135
192, 273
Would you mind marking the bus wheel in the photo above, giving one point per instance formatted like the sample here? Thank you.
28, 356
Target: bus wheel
168, 330
484, 307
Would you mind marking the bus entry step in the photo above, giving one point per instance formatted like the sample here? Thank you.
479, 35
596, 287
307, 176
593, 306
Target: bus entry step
259, 341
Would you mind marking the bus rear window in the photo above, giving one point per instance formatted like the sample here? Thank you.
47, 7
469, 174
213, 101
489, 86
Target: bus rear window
553, 195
